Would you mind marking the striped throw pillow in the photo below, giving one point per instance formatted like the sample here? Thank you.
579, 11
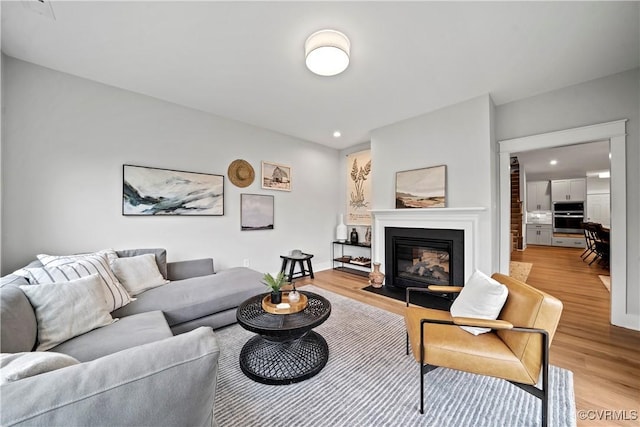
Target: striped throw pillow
66, 268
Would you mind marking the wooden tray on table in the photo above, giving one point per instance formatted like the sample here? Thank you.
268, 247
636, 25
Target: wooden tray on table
294, 307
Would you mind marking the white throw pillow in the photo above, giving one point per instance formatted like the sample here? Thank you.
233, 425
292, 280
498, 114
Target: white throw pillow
138, 273
481, 297
68, 309
16, 366
70, 267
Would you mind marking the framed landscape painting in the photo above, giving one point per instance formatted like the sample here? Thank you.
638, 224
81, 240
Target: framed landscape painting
276, 177
154, 191
256, 212
422, 188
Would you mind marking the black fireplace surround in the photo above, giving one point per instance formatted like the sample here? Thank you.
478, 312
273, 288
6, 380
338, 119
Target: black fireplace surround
424, 256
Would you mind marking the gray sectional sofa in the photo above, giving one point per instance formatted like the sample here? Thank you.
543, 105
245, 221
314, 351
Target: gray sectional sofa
156, 365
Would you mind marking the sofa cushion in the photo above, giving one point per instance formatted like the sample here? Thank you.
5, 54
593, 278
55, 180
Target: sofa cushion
19, 326
127, 332
189, 299
180, 270
138, 273
166, 383
16, 366
160, 254
65, 310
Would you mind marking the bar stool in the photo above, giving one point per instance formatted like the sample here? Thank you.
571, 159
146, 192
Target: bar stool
299, 257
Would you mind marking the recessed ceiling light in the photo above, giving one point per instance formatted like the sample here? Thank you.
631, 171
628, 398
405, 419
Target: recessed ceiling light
553, 162
337, 134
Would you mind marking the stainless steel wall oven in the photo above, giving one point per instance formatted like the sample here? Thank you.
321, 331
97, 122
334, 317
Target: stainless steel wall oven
568, 217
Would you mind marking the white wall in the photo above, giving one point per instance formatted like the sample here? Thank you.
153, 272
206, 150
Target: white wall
460, 137
1, 131
67, 138
602, 100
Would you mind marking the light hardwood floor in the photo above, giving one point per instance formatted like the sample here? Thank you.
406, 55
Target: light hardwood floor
603, 358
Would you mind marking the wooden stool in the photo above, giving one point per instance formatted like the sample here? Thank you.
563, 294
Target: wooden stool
293, 259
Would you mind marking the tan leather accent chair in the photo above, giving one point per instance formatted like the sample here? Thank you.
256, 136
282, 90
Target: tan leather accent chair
516, 349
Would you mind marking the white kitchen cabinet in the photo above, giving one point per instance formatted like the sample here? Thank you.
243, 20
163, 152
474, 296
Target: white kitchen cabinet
569, 190
538, 196
539, 234
569, 242
599, 208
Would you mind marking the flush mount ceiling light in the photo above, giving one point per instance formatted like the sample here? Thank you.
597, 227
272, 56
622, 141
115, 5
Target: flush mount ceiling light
326, 52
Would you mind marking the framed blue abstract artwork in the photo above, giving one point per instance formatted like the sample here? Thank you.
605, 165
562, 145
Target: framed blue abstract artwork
154, 191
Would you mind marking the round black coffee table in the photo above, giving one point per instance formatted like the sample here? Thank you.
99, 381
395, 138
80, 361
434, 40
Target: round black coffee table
286, 350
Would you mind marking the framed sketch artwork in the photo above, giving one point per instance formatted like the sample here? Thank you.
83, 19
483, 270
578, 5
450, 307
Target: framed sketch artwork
421, 188
276, 177
154, 191
256, 212
359, 188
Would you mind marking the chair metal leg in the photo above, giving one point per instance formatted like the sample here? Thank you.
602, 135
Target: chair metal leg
407, 344
421, 364
543, 394
421, 391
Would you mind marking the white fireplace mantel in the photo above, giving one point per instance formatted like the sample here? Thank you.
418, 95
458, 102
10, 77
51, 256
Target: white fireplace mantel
466, 219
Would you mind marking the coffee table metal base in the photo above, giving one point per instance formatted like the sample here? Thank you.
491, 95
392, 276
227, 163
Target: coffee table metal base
284, 362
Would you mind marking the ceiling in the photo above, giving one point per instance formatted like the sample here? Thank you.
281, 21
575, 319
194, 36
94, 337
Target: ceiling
573, 161
244, 60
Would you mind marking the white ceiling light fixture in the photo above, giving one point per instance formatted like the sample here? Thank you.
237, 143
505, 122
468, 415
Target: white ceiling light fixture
327, 52
337, 134
553, 162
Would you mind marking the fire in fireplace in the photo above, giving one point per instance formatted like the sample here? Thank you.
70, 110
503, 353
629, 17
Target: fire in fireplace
424, 256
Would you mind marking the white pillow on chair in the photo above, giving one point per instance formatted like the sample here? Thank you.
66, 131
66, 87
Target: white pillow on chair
482, 298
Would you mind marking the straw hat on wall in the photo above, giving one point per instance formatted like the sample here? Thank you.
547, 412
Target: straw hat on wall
241, 173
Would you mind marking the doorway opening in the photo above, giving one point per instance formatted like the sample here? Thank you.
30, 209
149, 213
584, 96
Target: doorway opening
565, 197
615, 133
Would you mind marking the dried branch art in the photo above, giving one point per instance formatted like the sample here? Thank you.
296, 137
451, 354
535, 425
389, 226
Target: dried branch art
358, 193
153, 191
359, 176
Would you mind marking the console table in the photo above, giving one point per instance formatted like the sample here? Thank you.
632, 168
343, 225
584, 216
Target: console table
345, 262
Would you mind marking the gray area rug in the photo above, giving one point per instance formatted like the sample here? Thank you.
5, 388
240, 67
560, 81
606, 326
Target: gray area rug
369, 381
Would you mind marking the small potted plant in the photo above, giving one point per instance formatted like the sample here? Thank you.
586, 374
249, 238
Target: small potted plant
275, 283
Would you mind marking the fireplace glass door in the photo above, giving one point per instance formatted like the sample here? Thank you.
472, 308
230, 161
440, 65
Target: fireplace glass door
424, 256
423, 264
